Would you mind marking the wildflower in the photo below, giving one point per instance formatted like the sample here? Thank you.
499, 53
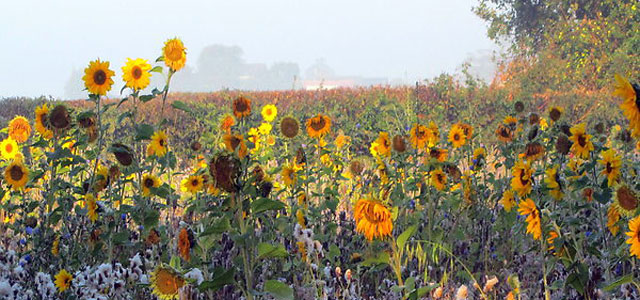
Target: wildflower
612, 164
630, 106
166, 283
522, 178
63, 280
149, 181
625, 199
192, 184
97, 78
372, 219
508, 200
582, 144
457, 136
19, 129
634, 236
174, 54
438, 179
265, 128
488, 286
318, 126
528, 208
135, 73
289, 127
269, 112
159, 144
16, 175
9, 148
241, 107
42, 121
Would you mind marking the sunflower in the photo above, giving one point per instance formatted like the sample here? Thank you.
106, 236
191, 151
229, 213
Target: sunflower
438, 179
42, 121
434, 136
504, 134
174, 54
97, 77
625, 199
63, 280
301, 219
528, 208
226, 123
289, 175
184, 244
59, 117
555, 113
419, 136
166, 283
318, 126
241, 107
269, 112
289, 127
135, 73
522, 178
467, 129
582, 144
19, 129
613, 216
533, 151
612, 163
399, 143
192, 184
55, 246
16, 175
479, 157
159, 144
372, 219
439, 154
457, 136
225, 171
149, 181
342, 140
630, 106
508, 200
123, 153
552, 179
634, 236
382, 145
235, 143
9, 148
92, 207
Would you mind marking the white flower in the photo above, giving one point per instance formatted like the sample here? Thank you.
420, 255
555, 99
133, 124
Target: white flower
196, 275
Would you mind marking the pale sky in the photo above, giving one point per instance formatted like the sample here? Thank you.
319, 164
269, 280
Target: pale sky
41, 42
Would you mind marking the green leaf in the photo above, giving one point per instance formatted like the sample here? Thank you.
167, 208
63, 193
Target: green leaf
266, 250
151, 217
221, 278
146, 98
278, 290
181, 106
380, 258
218, 227
620, 281
157, 69
264, 204
120, 237
402, 239
144, 132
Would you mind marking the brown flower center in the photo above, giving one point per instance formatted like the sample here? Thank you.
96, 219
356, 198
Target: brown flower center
456, 137
148, 182
524, 180
626, 198
609, 168
582, 140
16, 173
318, 123
194, 182
162, 142
241, 105
136, 72
99, 77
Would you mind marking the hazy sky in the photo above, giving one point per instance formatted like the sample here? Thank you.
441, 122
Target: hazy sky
41, 42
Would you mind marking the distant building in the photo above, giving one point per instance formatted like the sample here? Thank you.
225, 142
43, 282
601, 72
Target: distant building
344, 82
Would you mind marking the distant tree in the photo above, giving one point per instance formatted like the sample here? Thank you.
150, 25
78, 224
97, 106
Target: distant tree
320, 70
220, 65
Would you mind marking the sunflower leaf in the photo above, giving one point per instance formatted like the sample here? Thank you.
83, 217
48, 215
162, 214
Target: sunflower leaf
181, 106
279, 290
157, 69
402, 239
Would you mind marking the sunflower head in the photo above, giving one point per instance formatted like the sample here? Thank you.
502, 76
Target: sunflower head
42, 121
148, 182
98, 77
166, 283
135, 73
373, 219
438, 179
269, 112
185, 243
193, 184
419, 136
625, 200
59, 117
63, 280
518, 106
16, 175
9, 148
235, 143
19, 129
555, 113
225, 171
582, 145
457, 137
318, 126
399, 143
356, 167
533, 151
504, 134
563, 144
174, 54
159, 144
123, 153
241, 107
289, 127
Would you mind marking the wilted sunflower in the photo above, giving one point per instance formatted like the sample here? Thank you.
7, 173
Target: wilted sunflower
457, 136
59, 117
166, 283
42, 121
289, 127
612, 163
613, 216
563, 144
149, 181
419, 136
92, 207
225, 170
19, 129
63, 280
630, 94
174, 54
159, 144
533, 151
552, 179
235, 143
184, 244
192, 184
399, 143
135, 73
382, 145
438, 179
241, 107
522, 178
634, 236
269, 112
97, 77
123, 153
226, 123
9, 148
528, 208
625, 199
582, 144
16, 175
318, 126
555, 113
504, 134
373, 219
508, 200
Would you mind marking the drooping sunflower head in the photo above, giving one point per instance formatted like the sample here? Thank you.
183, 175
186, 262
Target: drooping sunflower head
611, 163
438, 179
135, 73
289, 127
98, 77
289, 175
225, 171
533, 151
439, 154
9, 148
241, 107
269, 112
19, 129
383, 144
235, 143
457, 136
625, 199
63, 280
123, 153
555, 113
16, 175
563, 144
159, 144
504, 134
318, 126
185, 238
166, 283
174, 54
149, 181
59, 117
373, 219
193, 184
399, 143
42, 124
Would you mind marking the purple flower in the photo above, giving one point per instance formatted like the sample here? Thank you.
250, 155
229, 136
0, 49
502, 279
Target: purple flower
29, 230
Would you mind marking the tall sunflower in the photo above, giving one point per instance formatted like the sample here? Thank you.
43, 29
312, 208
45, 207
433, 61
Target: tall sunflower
634, 237
97, 77
419, 136
625, 199
318, 126
166, 283
42, 122
19, 129
269, 112
438, 179
149, 181
552, 179
382, 145
522, 178
457, 136
9, 148
373, 219
582, 144
16, 175
193, 184
174, 54
159, 144
612, 163
135, 73
630, 106
528, 208
63, 280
